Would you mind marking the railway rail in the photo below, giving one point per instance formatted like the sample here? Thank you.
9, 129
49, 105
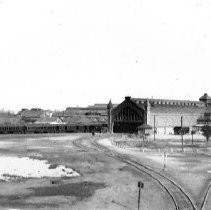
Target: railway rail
208, 191
180, 198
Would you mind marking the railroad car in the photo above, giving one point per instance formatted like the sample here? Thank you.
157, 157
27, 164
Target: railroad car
49, 128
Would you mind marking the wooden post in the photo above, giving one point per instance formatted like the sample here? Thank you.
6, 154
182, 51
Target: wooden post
192, 133
144, 134
140, 185
112, 127
164, 161
154, 127
192, 139
139, 197
182, 133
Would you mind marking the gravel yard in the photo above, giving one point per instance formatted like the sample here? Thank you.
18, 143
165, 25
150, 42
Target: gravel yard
190, 168
95, 181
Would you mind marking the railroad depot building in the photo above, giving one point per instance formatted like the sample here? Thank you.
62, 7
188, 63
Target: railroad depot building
164, 116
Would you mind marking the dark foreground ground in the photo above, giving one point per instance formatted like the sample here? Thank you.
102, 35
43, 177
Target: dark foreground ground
104, 183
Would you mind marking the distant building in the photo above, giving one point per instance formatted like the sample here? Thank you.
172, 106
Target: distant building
95, 115
33, 115
205, 119
10, 120
165, 116
50, 121
97, 109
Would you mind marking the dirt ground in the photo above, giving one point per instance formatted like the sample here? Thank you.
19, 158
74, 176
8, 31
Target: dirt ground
104, 183
191, 168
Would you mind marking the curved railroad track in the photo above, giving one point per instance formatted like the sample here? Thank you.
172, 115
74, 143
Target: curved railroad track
180, 198
203, 207
77, 143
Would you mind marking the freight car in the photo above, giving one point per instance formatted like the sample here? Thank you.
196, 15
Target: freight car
10, 129
48, 128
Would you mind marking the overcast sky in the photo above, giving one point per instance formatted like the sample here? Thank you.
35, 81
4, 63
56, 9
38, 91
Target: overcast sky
59, 53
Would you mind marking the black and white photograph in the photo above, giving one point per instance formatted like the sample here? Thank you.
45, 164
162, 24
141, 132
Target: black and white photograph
105, 105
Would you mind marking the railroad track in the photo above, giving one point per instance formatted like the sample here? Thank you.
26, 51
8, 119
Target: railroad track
180, 198
203, 207
77, 143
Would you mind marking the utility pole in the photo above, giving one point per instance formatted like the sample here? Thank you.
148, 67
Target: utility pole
182, 133
154, 127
